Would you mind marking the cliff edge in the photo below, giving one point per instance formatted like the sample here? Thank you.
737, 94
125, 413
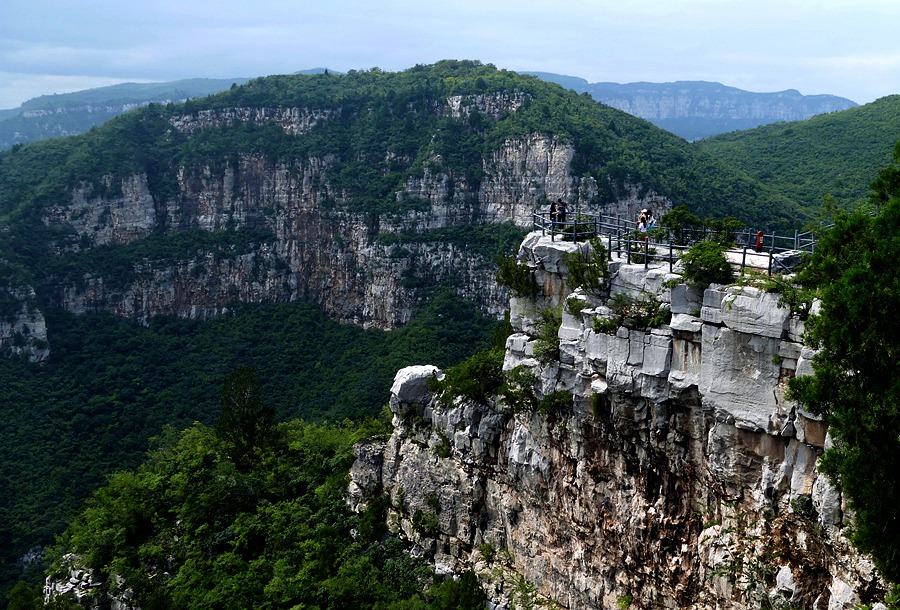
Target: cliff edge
672, 473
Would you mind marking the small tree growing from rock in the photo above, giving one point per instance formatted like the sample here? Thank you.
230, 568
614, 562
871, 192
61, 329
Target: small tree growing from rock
705, 263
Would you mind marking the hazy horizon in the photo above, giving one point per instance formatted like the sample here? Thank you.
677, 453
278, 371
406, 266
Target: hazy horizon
837, 47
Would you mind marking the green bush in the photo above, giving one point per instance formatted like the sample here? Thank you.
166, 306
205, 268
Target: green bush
641, 313
478, 378
554, 401
426, 523
607, 326
516, 276
518, 390
680, 222
487, 551
705, 263
723, 229
575, 306
546, 347
588, 270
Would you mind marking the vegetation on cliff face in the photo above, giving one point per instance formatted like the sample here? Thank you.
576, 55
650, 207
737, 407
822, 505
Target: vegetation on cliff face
856, 386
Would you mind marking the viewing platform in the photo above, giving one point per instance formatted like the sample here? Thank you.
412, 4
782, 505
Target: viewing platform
752, 249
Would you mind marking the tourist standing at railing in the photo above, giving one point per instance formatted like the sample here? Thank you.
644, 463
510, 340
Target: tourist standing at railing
553, 213
561, 209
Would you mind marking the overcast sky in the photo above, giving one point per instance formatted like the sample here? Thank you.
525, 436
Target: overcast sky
842, 47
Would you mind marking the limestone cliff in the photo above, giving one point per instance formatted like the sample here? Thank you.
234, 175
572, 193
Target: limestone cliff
358, 192
699, 109
23, 330
677, 476
359, 266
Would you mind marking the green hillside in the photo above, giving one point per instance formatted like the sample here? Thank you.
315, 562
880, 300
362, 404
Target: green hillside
65, 114
833, 154
110, 385
386, 127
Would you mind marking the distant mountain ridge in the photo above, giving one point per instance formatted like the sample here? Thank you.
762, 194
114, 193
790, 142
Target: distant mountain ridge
690, 109
699, 109
68, 114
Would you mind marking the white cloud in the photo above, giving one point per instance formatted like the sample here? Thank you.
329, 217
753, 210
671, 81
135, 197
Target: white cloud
846, 47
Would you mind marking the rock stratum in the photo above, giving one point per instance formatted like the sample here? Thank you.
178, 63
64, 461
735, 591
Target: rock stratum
699, 109
678, 475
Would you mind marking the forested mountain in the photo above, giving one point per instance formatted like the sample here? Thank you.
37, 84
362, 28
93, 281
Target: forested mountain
699, 109
835, 154
373, 198
53, 116
690, 109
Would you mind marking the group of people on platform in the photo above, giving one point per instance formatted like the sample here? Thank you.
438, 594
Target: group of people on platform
645, 222
559, 210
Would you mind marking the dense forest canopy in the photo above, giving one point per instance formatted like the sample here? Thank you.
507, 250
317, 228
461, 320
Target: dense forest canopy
110, 385
832, 155
193, 528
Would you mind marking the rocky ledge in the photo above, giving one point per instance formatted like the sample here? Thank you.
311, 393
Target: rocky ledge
678, 475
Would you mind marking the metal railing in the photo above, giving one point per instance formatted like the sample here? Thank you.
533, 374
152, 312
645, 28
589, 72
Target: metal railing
621, 235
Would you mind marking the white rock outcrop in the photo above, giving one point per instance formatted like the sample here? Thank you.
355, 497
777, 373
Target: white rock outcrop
676, 476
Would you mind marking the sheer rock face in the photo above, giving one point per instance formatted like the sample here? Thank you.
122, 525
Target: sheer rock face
360, 267
679, 476
23, 330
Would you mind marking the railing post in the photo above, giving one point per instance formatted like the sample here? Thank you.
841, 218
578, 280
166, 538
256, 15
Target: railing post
628, 250
670, 254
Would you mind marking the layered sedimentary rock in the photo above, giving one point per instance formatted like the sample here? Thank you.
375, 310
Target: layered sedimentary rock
313, 242
678, 475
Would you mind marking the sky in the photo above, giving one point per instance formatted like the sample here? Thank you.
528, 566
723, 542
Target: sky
848, 48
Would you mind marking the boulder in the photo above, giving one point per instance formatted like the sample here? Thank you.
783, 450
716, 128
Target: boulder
750, 310
411, 386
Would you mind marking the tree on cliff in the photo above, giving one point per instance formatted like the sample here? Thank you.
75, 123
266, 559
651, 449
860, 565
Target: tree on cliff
245, 422
856, 385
